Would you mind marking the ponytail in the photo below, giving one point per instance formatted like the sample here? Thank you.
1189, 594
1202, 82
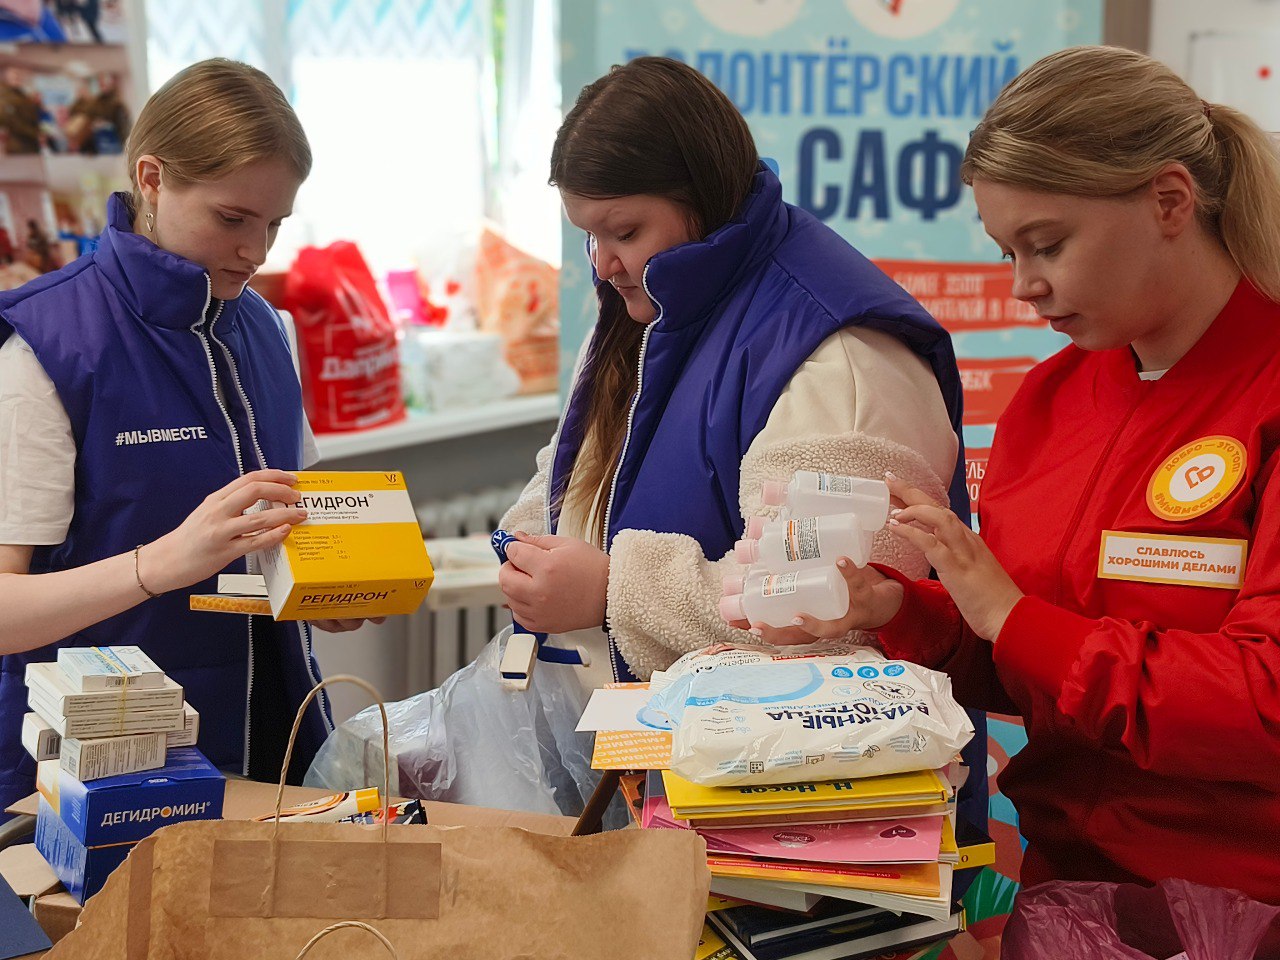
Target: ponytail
1249, 221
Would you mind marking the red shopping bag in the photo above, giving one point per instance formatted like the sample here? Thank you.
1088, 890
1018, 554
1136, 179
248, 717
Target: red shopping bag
349, 352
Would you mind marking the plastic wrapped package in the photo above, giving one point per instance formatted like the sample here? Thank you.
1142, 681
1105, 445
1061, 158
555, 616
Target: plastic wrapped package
1110, 921
746, 717
475, 740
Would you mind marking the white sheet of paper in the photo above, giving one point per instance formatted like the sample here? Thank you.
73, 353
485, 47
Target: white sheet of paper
614, 710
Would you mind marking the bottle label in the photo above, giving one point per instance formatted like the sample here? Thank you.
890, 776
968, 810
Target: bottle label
778, 585
835, 485
802, 539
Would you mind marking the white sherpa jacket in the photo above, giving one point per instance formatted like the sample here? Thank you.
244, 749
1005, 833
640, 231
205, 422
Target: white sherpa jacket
862, 404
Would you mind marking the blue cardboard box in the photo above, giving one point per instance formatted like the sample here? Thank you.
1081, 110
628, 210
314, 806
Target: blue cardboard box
127, 808
82, 870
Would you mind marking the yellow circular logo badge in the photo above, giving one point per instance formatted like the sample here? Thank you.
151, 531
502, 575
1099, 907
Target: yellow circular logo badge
1196, 478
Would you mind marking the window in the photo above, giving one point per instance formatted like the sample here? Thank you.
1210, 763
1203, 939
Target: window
394, 95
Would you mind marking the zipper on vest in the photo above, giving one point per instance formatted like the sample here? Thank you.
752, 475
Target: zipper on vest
197, 329
304, 629
244, 397
626, 438
1086, 495
240, 389
248, 701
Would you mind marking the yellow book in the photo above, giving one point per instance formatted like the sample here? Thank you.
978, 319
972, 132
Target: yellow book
712, 947
948, 852
689, 799
359, 553
911, 879
976, 853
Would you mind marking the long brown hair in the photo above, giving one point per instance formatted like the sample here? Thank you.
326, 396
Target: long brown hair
212, 118
1102, 121
654, 126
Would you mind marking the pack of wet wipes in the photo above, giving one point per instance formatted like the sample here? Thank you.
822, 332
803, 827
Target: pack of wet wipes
750, 717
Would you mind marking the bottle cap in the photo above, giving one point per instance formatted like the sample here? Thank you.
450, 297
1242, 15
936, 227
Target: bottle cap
746, 551
731, 586
773, 493
731, 609
755, 527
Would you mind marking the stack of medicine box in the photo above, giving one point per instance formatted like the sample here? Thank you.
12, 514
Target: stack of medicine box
104, 711
115, 745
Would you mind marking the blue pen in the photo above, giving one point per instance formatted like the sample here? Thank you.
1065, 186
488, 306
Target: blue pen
500, 540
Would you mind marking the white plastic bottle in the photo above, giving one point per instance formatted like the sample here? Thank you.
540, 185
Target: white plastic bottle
777, 599
786, 545
811, 494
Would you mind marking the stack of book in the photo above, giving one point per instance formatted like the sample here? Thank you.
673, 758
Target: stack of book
105, 711
830, 869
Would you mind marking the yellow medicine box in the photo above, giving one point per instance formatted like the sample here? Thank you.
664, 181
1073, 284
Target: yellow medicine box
359, 553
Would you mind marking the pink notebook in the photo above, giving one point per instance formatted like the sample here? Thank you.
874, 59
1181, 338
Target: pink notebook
912, 840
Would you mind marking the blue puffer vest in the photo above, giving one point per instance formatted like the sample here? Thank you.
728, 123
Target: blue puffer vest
137, 351
738, 313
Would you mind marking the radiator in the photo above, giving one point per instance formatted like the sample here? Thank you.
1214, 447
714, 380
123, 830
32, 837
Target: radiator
442, 641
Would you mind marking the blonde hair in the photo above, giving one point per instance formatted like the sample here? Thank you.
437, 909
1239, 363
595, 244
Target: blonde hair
213, 118
1102, 121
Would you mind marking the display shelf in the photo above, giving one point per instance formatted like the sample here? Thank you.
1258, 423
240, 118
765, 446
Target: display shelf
421, 428
61, 170
22, 169
85, 58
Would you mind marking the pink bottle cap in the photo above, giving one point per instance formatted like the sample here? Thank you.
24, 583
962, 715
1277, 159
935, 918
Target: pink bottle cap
755, 527
731, 609
733, 586
746, 551
773, 493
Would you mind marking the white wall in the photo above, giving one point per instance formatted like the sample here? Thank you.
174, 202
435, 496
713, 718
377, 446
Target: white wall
1229, 50
1174, 21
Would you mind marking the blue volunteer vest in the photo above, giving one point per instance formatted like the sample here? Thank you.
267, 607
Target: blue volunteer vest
738, 313
135, 346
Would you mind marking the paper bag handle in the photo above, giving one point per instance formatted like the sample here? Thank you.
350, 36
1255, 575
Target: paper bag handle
348, 923
386, 745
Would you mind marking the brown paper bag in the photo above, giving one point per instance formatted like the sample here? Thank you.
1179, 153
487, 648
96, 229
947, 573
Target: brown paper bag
218, 890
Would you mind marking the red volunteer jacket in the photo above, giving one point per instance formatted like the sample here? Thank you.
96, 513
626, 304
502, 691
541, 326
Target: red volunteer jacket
1140, 518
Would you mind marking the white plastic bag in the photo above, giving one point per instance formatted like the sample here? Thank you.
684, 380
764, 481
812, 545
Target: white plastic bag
475, 740
758, 716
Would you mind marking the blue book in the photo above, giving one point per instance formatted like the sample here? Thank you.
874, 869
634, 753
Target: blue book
19, 932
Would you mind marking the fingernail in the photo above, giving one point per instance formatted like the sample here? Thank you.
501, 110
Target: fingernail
890, 475
797, 622
842, 564
894, 523
895, 511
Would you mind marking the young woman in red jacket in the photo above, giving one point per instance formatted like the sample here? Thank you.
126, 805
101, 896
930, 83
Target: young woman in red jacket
1124, 595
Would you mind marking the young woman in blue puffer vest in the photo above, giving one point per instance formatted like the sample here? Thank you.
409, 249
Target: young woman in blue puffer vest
738, 340
147, 398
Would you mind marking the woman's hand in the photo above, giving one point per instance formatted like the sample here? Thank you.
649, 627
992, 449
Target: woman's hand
218, 531
874, 600
555, 584
344, 626
984, 594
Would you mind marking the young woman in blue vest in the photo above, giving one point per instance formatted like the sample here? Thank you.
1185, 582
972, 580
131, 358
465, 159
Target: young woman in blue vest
147, 398
738, 340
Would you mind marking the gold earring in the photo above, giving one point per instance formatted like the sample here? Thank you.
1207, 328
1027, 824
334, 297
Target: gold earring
151, 222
